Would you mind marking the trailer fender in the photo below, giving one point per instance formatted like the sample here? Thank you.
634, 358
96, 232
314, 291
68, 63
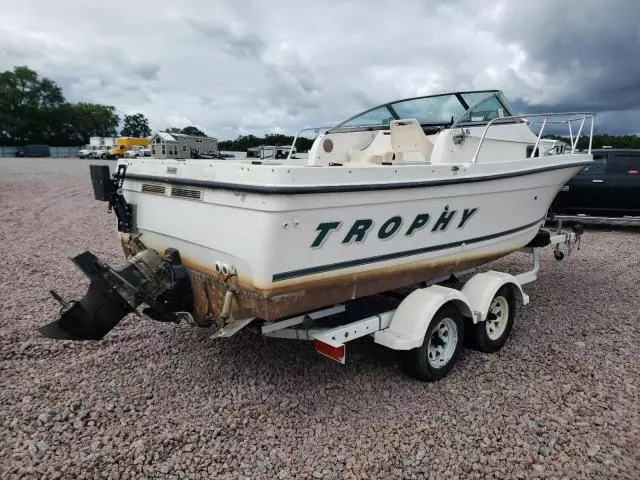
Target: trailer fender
482, 287
414, 314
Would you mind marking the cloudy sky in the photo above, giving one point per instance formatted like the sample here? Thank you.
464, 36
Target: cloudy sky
244, 66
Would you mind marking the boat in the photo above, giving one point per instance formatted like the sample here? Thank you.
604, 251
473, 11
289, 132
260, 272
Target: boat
402, 193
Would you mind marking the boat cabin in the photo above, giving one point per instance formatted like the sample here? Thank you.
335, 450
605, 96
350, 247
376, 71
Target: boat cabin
445, 128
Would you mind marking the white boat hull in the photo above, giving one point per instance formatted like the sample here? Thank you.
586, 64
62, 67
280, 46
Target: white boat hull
289, 253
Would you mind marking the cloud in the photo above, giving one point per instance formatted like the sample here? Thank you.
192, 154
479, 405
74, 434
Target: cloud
575, 57
256, 67
230, 38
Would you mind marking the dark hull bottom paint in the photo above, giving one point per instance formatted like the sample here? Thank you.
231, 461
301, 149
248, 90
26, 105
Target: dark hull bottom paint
296, 298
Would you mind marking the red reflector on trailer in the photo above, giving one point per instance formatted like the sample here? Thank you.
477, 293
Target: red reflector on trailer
334, 353
633, 172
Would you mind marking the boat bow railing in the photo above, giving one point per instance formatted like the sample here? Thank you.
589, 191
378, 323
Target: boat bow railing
307, 129
545, 119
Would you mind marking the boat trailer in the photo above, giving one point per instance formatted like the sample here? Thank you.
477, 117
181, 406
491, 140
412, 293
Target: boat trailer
421, 325
429, 325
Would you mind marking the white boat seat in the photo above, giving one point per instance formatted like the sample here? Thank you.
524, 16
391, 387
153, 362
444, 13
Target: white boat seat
378, 150
406, 137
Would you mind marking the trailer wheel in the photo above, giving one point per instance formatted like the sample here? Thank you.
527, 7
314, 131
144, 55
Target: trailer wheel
441, 347
491, 335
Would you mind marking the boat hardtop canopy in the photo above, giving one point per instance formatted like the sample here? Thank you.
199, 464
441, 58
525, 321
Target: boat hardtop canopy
439, 111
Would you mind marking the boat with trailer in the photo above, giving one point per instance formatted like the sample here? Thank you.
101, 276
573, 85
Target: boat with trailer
400, 195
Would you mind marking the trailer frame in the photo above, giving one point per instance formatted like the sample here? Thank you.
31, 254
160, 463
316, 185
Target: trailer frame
404, 328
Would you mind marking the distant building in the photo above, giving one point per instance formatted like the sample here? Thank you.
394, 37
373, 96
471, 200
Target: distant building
178, 145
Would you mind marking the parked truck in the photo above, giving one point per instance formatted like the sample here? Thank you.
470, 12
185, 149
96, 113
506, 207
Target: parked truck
34, 151
102, 141
123, 144
87, 151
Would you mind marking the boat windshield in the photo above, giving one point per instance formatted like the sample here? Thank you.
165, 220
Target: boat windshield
483, 110
435, 111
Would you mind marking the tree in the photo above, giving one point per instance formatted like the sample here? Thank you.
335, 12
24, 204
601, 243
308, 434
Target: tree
194, 131
243, 142
29, 106
599, 141
135, 125
190, 130
33, 110
90, 119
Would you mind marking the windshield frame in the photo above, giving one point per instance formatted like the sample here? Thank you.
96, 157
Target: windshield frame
340, 128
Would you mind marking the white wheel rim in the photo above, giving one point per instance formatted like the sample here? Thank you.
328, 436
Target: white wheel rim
497, 318
442, 343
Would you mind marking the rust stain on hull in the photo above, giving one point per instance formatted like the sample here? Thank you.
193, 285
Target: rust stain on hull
209, 287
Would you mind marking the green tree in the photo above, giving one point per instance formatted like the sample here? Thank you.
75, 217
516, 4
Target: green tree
243, 142
173, 130
29, 106
194, 131
90, 119
599, 141
135, 125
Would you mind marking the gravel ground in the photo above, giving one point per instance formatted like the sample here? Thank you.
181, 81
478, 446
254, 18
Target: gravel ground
561, 400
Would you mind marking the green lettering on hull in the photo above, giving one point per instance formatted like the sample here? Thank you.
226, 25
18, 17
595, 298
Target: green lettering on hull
358, 230
466, 215
390, 227
419, 222
361, 227
443, 222
323, 232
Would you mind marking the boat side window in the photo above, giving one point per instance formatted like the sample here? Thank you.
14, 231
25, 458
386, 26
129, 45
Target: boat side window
378, 117
598, 166
474, 97
485, 111
625, 164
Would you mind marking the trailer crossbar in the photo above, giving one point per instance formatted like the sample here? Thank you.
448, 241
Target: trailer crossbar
336, 337
303, 327
292, 322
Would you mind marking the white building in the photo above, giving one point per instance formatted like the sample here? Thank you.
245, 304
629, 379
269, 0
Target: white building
179, 145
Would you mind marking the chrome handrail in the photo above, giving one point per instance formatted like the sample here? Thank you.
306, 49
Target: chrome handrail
295, 139
546, 121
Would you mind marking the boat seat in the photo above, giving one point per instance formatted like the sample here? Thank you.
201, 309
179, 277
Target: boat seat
407, 137
377, 150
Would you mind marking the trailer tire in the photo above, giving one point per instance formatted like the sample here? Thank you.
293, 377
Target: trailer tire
491, 335
441, 348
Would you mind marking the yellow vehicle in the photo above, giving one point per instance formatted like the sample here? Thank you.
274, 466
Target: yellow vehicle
123, 144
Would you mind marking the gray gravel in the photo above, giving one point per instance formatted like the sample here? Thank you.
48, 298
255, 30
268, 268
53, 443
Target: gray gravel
561, 400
